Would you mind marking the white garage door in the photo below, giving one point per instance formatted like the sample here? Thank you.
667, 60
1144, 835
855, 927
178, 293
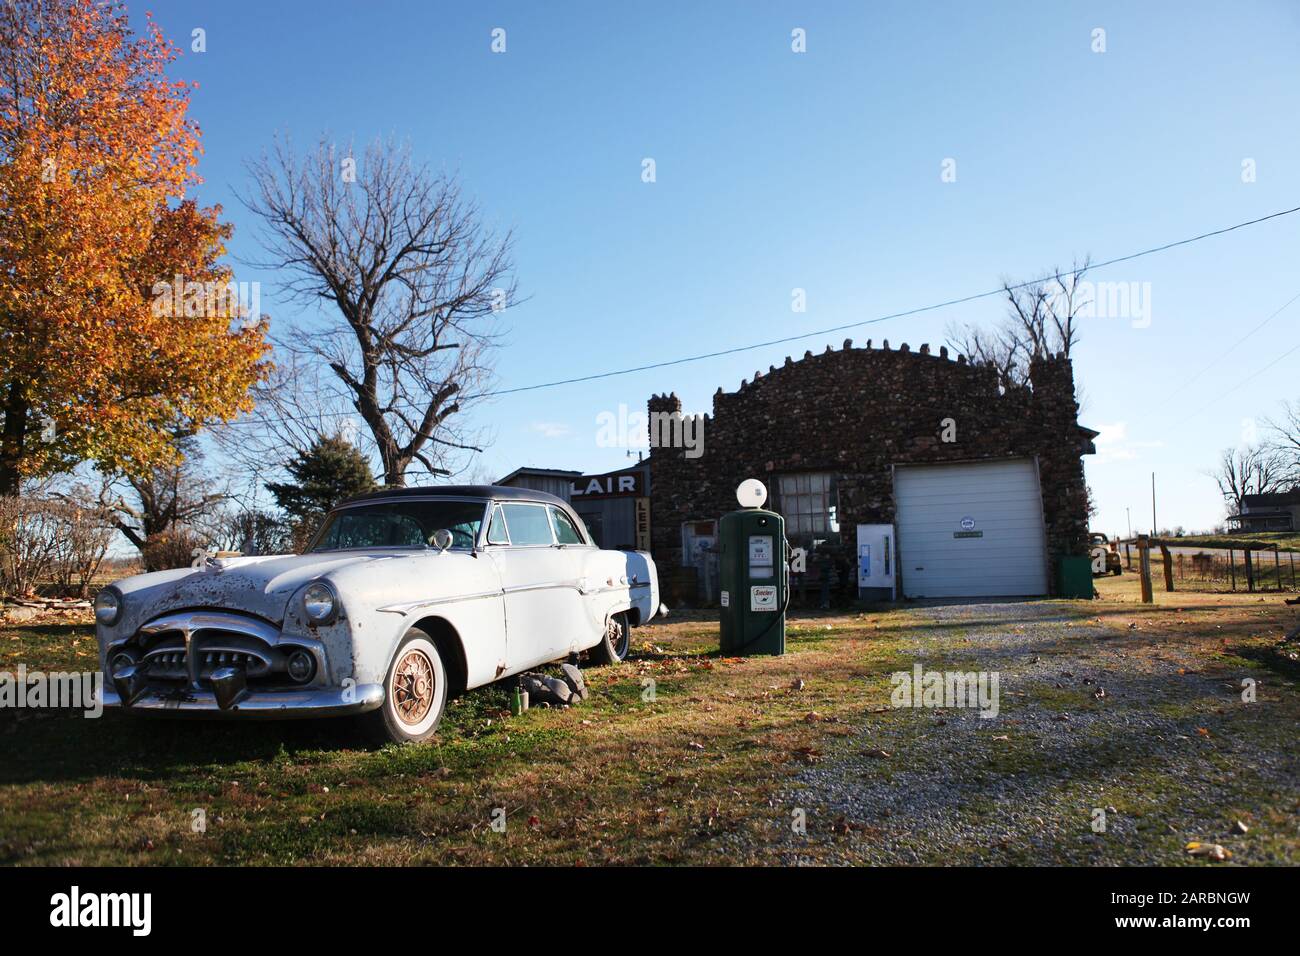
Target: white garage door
970, 530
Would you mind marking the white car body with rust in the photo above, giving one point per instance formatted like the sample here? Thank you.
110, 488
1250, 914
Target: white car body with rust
510, 580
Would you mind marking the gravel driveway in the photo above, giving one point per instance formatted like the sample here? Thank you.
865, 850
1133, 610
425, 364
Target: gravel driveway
1091, 718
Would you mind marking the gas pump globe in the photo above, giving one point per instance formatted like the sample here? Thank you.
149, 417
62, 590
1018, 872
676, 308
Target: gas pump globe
755, 575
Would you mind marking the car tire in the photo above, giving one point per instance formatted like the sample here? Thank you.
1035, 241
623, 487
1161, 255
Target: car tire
415, 694
615, 643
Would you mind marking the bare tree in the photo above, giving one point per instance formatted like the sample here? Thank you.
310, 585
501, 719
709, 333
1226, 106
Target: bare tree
1042, 320
298, 404
170, 502
29, 542
1285, 440
414, 280
234, 528
52, 536
1248, 470
87, 534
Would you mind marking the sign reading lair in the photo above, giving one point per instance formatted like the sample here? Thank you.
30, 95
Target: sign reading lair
616, 484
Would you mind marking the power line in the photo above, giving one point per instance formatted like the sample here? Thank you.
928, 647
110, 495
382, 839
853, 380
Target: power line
1245, 381
883, 318
1001, 290
1221, 355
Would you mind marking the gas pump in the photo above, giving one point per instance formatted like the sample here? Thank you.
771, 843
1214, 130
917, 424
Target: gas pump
754, 570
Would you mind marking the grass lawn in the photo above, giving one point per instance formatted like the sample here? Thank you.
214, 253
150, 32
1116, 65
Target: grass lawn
622, 778
688, 774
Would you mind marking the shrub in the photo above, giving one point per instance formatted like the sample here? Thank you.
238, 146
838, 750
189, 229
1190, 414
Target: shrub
28, 543
51, 540
83, 535
171, 549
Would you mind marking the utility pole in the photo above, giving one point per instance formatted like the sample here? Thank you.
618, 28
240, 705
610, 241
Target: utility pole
1128, 516
1153, 505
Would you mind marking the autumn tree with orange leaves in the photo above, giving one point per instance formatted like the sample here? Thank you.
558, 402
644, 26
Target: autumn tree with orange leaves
96, 155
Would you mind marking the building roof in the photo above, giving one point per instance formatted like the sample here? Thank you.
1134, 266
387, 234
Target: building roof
1273, 499
458, 491
539, 472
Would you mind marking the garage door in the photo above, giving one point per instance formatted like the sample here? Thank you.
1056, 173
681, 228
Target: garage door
970, 530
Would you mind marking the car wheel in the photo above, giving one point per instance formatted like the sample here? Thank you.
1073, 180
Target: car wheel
614, 645
415, 694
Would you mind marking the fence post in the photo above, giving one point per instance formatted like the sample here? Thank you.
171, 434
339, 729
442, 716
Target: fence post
1232, 567
1128, 555
1144, 566
1250, 573
1292, 570
1169, 567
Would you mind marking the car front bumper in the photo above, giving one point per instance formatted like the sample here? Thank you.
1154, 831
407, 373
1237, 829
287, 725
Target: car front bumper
254, 704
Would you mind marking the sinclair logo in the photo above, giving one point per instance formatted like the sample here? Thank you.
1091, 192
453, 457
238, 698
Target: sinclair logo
616, 485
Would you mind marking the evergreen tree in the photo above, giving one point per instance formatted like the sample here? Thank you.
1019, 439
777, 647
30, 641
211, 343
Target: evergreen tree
331, 470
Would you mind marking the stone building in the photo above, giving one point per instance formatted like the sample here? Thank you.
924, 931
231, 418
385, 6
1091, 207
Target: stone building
969, 489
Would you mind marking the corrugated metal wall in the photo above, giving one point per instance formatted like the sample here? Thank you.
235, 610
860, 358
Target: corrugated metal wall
611, 521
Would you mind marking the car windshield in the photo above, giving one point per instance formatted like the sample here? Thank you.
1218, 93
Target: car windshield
400, 524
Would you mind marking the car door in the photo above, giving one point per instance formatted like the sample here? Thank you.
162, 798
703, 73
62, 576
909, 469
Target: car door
581, 560
544, 614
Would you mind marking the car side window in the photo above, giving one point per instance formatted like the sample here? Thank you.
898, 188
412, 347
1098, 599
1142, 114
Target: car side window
527, 524
497, 533
565, 532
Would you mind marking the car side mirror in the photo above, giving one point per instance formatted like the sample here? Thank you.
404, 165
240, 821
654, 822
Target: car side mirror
442, 539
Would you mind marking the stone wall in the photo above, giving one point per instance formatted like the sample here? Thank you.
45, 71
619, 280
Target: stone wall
856, 411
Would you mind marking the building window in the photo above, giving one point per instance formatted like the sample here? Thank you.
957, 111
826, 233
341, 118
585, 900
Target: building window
808, 504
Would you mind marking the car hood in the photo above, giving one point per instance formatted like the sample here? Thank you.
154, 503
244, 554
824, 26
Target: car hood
257, 585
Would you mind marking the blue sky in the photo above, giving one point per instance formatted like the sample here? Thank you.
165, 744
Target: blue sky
819, 171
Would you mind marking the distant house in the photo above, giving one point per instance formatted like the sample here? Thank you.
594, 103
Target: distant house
1276, 511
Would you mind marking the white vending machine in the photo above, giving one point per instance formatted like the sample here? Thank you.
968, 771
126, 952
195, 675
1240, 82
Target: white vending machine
876, 561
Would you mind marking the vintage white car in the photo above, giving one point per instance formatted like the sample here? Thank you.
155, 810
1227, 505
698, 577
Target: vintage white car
405, 598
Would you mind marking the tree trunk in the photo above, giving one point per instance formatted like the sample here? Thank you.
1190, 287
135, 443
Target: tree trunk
395, 471
11, 441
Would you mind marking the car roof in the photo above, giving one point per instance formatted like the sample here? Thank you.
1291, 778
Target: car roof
499, 492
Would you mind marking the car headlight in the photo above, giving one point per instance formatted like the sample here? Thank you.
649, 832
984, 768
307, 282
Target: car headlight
108, 607
319, 602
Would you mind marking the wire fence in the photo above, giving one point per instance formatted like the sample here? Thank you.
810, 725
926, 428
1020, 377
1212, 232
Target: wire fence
1225, 570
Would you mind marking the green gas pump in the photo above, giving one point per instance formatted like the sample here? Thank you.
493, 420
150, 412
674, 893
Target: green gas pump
755, 575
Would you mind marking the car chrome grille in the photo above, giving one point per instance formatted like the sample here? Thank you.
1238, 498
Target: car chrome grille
169, 664
188, 647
